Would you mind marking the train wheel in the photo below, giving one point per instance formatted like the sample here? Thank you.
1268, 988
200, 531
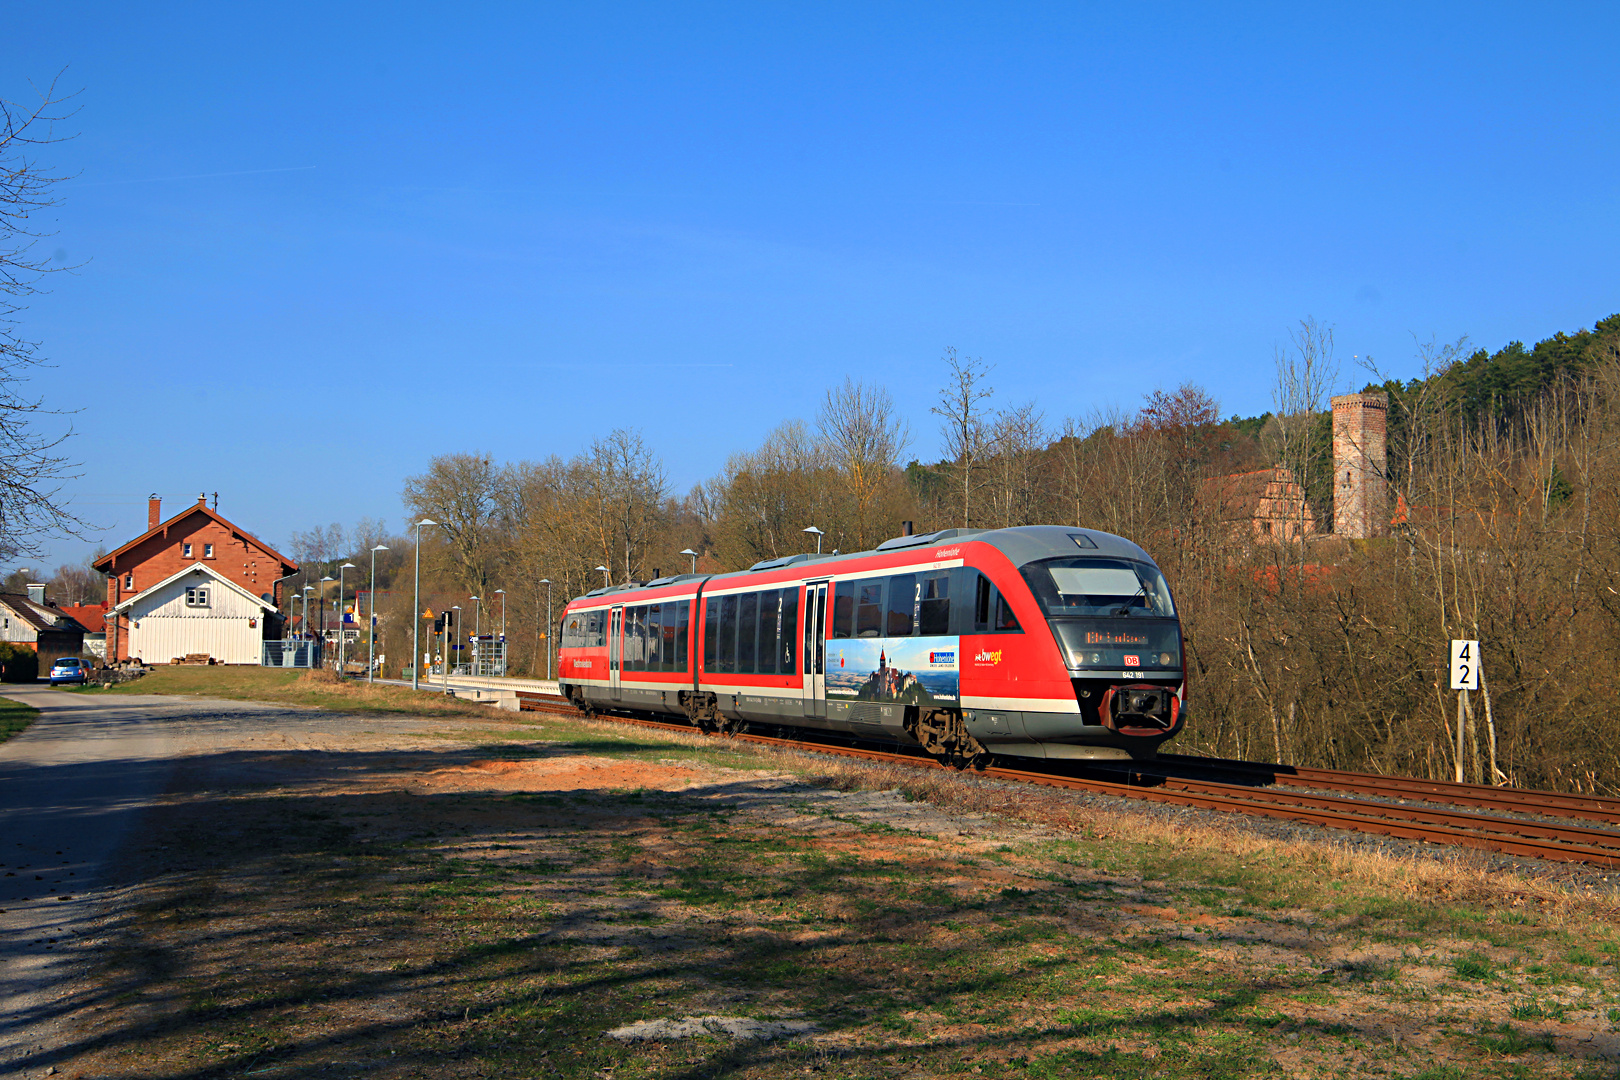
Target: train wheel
944, 734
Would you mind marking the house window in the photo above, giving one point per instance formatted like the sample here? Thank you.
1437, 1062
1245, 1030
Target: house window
197, 596
185, 550
129, 581
208, 551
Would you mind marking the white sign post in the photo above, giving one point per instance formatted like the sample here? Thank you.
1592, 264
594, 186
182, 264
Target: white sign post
1464, 677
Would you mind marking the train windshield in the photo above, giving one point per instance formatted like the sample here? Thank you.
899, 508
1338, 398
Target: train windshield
1116, 588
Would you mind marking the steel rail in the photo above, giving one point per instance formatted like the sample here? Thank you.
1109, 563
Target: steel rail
1520, 800
1527, 839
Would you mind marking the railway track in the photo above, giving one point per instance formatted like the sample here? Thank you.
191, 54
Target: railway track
1425, 811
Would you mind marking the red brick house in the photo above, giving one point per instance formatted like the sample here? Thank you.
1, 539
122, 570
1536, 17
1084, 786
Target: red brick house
195, 583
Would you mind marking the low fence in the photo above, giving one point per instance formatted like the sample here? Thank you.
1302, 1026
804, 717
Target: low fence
292, 654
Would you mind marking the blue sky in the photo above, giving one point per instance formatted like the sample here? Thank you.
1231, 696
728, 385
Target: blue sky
319, 246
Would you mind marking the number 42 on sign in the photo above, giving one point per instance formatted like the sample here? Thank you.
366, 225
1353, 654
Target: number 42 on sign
1464, 665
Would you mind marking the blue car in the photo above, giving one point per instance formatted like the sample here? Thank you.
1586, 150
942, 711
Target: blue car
69, 669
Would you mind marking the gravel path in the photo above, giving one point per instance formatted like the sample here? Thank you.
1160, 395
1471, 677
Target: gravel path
72, 789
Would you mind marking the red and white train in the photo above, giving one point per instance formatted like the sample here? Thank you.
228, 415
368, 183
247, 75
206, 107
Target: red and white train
1040, 641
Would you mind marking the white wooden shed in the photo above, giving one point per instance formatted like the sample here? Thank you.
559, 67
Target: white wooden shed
196, 611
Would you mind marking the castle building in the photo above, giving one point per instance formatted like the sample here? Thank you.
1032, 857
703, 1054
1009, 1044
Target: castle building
1360, 488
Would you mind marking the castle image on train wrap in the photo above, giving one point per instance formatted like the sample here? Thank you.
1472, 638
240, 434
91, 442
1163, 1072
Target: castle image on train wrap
873, 670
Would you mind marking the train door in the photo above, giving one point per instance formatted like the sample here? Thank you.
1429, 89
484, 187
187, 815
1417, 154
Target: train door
615, 651
815, 649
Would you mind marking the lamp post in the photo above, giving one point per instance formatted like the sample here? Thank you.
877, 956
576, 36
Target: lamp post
371, 617
449, 641
502, 594
416, 607
341, 652
606, 580
324, 580
547, 583
817, 533
689, 551
478, 611
303, 625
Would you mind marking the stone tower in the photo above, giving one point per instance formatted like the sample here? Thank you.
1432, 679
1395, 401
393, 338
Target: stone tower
1360, 492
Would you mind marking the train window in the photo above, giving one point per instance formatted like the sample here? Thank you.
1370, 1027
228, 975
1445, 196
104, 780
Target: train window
869, 608
595, 629
770, 629
786, 661
728, 633
678, 636
934, 604
992, 614
1006, 622
809, 627
747, 629
571, 637
711, 635
635, 639
1112, 587
843, 623
655, 638
902, 606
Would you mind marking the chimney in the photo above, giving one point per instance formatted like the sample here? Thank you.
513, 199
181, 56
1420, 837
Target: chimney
908, 528
202, 498
36, 592
154, 513
1360, 491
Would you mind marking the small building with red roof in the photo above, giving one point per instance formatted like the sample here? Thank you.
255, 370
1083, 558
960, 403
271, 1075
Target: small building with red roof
194, 584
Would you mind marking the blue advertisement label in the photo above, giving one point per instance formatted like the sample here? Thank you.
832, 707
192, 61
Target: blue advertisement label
907, 671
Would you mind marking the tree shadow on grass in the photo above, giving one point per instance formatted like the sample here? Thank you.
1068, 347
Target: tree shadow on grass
440, 933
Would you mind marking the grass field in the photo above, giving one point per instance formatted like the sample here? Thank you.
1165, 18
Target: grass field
14, 717
491, 905
318, 689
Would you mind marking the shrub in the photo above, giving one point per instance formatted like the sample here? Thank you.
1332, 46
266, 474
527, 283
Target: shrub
18, 663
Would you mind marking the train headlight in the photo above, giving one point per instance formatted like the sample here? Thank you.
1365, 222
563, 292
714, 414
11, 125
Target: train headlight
1096, 658
1165, 659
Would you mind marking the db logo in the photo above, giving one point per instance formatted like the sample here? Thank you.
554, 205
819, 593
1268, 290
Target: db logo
1133, 661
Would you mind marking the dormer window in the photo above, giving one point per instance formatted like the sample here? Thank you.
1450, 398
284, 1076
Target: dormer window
208, 551
185, 550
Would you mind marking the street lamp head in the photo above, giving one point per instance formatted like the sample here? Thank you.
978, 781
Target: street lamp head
472, 598
328, 578
348, 566
544, 581
813, 531
604, 568
687, 551
380, 547
426, 521
499, 591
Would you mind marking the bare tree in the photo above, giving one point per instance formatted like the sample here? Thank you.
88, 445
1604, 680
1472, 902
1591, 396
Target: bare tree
1306, 372
864, 439
461, 493
32, 467
963, 427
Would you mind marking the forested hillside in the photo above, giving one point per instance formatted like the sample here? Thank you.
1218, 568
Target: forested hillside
1504, 473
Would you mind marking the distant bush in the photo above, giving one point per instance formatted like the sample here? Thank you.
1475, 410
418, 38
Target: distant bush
18, 663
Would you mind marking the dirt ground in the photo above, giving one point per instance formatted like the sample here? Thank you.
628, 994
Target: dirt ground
330, 895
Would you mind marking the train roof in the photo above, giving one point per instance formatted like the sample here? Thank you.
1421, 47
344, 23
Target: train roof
1021, 544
